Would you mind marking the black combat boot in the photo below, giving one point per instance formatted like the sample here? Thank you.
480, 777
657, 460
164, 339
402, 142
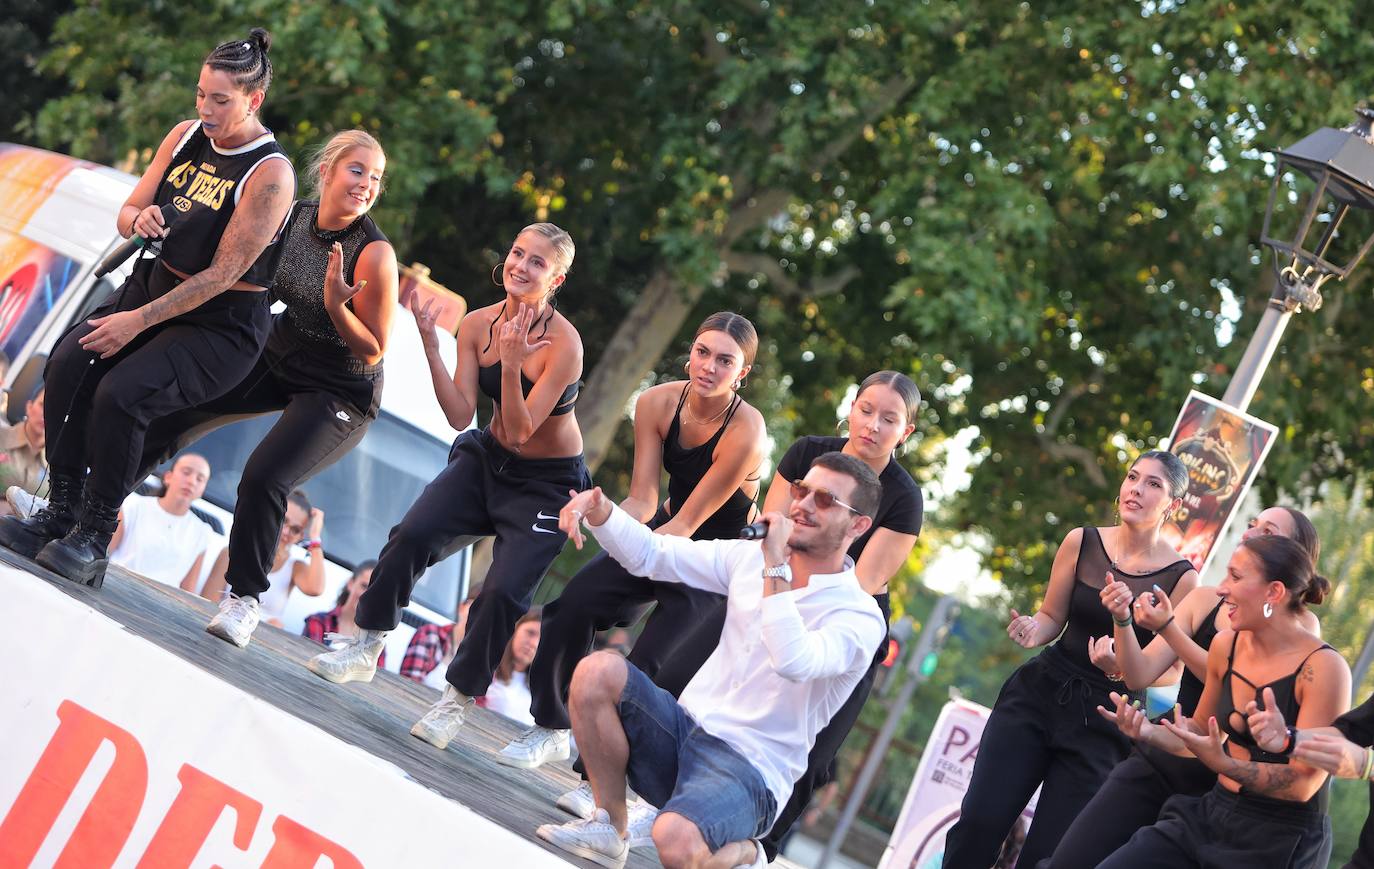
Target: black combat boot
28, 536
81, 555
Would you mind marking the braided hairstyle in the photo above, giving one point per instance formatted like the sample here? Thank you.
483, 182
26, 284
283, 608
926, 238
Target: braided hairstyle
245, 61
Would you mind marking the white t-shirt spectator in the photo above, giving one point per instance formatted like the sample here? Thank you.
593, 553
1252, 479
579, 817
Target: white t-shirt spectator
511, 699
158, 544
273, 601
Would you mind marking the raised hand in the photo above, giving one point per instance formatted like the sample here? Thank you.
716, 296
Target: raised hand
1129, 718
1022, 630
592, 505
513, 338
1266, 725
425, 317
1116, 597
1153, 609
337, 292
1206, 747
315, 525
1102, 652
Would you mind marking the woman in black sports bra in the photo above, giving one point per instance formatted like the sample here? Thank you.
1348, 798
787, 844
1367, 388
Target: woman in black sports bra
509, 479
1263, 810
185, 327
1138, 787
711, 489
1043, 731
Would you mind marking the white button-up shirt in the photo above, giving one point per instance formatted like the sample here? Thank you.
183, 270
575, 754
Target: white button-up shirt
785, 663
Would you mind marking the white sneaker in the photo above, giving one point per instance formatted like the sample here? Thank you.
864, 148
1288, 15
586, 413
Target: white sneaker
535, 747
640, 830
23, 502
353, 659
236, 620
443, 720
579, 801
592, 838
760, 858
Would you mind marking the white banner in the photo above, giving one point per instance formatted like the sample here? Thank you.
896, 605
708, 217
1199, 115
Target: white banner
118, 753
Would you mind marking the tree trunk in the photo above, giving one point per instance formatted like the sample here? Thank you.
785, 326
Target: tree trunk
640, 341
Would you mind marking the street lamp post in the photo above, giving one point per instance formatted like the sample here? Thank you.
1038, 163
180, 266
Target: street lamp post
1341, 163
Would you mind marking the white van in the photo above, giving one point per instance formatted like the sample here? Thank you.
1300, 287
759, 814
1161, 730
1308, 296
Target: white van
57, 223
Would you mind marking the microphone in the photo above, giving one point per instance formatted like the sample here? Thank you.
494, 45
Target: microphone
754, 530
132, 246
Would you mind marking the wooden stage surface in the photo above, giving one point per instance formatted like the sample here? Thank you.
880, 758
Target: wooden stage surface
375, 717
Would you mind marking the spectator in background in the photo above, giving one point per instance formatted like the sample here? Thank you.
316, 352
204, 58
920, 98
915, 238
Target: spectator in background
616, 640
297, 563
509, 692
323, 627
22, 463
159, 537
432, 648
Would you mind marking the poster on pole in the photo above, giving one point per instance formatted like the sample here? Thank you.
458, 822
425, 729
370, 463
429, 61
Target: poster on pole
937, 792
1223, 449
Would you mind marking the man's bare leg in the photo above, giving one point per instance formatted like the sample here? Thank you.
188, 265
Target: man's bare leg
681, 846
593, 699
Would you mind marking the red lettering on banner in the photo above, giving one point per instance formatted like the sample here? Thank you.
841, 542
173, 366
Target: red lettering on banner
105, 826
299, 848
193, 814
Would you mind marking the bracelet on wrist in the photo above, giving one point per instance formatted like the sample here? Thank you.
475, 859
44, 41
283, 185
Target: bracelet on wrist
313, 544
1291, 744
1166, 624
1122, 623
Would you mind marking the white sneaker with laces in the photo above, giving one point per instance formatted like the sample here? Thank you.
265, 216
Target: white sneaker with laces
593, 838
353, 659
236, 620
579, 801
443, 720
24, 503
536, 747
639, 830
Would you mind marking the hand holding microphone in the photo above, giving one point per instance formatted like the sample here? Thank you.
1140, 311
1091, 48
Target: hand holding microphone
774, 529
150, 224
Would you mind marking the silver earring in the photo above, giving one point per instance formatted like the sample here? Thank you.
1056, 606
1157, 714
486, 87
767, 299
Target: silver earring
1268, 609
495, 278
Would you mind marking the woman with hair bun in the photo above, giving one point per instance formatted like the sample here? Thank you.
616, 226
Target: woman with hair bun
1263, 810
187, 325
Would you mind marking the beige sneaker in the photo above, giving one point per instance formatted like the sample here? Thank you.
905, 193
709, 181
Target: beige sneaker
354, 658
443, 720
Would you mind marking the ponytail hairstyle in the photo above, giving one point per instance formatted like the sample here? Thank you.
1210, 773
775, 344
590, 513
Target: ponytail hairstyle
323, 161
300, 499
738, 327
1175, 472
1304, 533
245, 60
900, 384
1285, 560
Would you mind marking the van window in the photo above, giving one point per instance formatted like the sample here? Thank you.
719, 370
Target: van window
362, 496
32, 279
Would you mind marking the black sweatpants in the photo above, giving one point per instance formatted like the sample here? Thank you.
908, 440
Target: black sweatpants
1044, 731
328, 400
603, 595
109, 403
1131, 798
484, 490
1223, 830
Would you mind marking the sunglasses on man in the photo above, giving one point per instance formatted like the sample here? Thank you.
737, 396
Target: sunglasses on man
825, 499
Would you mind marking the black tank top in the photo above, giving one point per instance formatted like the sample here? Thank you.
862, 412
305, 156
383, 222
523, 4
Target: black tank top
300, 274
1233, 722
204, 183
686, 468
1087, 617
1190, 686
489, 376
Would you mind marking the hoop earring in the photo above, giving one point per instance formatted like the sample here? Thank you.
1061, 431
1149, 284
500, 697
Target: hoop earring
495, 279
739, 384
1116, 509
842, 427
1268, 609
687, 367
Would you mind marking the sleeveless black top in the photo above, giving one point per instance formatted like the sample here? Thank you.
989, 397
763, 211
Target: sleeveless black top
1190, 686
1087, 617
300, 275
1232, 720
686, 468
489, 376
204, 183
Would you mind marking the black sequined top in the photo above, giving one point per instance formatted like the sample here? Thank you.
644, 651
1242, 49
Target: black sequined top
300, 275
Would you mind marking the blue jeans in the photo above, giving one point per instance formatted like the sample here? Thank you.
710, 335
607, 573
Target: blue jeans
680, 768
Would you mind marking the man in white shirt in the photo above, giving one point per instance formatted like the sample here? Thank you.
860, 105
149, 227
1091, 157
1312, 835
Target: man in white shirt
160, 537
799, 633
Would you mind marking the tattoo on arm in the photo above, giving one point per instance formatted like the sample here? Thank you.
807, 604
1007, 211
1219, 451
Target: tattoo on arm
1272, 779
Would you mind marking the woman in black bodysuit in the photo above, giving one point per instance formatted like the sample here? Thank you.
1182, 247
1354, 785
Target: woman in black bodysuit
1043, 731
186, 326
1263, 810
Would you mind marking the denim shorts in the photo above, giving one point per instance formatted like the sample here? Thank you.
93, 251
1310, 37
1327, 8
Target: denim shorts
680, 768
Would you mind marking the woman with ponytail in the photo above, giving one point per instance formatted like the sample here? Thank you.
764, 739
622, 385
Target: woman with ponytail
187, 325
1262, 810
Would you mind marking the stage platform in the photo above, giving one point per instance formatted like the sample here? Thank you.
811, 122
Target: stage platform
219, 733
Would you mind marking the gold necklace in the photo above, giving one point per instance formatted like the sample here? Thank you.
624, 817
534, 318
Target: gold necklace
1116, 563
692, 418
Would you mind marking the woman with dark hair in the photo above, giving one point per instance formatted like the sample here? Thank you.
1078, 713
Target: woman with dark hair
335, 626
297, 564
186, 326
1262, 810
509, 479
509, 692
1138, 787
1043, 731
711, 442
322, 368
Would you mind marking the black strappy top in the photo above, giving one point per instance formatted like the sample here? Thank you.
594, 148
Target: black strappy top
687, 467
489, 377
1087, 617
1190, 686
1232, 721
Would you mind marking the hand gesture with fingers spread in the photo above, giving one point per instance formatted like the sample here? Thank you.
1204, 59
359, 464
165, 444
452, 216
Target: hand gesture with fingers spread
1129, 718
1207, 747
591, 505
425, 317
513, 341
1267, 726
1153, 609
337, 291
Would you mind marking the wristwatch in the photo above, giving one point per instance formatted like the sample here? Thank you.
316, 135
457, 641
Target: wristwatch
782, 572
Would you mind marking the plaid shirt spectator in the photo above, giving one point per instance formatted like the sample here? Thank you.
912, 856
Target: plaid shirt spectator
427, 649
319, 624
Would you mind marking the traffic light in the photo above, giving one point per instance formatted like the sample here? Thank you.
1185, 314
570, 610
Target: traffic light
929, 663
926, 657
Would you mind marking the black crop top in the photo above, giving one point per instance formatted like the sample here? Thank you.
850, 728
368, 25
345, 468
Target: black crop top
1233, 722
1087, 617
1189, 686
489, 381
203, 182
687, 467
